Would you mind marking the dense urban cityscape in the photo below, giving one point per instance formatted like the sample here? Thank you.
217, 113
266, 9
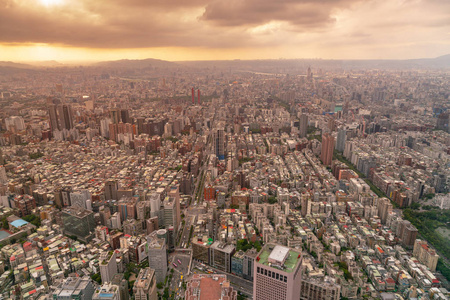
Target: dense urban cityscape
282, 179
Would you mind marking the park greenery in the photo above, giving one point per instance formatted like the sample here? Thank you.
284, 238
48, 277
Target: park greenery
245, 245
33, 219
427, 223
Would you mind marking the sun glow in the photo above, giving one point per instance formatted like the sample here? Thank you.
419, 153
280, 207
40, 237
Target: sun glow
51, 2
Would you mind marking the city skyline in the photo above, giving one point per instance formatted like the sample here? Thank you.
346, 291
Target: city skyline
66, 30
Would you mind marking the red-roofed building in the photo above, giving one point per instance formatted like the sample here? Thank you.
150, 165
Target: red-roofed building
209, 287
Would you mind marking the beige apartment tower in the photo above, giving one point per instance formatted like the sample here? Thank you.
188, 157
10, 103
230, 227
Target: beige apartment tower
277, 273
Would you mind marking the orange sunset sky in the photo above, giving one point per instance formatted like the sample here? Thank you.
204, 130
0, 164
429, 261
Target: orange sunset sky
92, 30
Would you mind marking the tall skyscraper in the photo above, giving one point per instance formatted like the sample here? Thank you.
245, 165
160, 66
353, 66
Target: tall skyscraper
327, 149
341, 138
65, 116
277, 273
145, 285
114, 115
111, 188
425, 254
384, 208
60, 115
157, 256
174, 192
303, 128
152, 224
108, 265
218, 139
122, 283
247, 265
3, 177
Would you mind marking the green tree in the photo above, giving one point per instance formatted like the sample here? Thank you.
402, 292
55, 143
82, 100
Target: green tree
272, 200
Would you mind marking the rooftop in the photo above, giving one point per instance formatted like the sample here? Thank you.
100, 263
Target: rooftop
279, 257
19, 223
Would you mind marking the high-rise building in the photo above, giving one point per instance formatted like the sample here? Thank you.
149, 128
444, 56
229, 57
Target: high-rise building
303, 126
119, 115
384, 209
145, 285
127, 208
104, 127
174, 192
152, 225
220, 256
79, 222
341, 138
157, 257
209, 286
15, 124
443, 121
155, 204
277, 273
111, 187
24, 204
114, 115
317, 289
218, 139
171, 219
60, 115
407, 233
425, 254
108, 265
81, 199
3, 177
122, 283
237, 263
74, 288
200, 249
65, 116
247, 264
326, 154
2, 159
107, 291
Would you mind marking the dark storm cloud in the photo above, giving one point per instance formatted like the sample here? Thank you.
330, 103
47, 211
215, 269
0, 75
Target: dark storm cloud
302, 14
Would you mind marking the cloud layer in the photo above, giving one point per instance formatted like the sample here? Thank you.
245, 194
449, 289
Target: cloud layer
311, 26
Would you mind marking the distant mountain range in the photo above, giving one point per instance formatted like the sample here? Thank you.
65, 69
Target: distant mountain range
281, 65
136, 63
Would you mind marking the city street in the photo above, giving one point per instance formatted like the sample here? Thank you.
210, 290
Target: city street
179, 272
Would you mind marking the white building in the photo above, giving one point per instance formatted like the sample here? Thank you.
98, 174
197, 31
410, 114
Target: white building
108, 266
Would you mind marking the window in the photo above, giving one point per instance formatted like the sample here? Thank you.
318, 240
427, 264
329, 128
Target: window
270, 273
257, 270
278, 276
265, 272
273, 274
285, 279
